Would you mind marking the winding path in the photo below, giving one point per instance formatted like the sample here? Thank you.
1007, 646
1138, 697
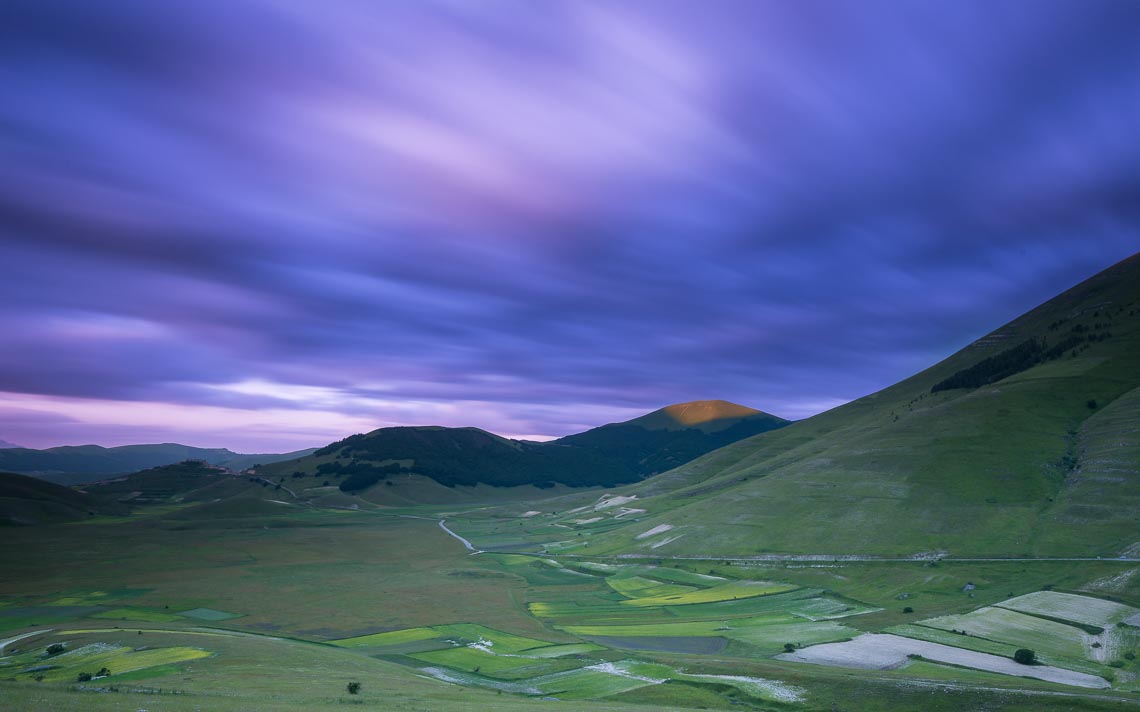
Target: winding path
465, 543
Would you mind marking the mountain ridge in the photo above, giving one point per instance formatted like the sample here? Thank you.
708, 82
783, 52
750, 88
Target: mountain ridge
608, 455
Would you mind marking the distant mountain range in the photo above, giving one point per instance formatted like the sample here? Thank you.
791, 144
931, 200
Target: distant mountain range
70, 465
6, 444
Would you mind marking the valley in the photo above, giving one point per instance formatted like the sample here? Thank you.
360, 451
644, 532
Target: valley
965, 539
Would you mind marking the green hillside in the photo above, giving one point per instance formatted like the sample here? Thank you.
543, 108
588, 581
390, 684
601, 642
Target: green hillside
1022, 444
610, 455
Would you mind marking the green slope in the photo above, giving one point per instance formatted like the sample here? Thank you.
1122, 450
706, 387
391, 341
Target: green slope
1042, 461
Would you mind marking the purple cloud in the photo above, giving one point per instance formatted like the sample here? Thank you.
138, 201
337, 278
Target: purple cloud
534, 218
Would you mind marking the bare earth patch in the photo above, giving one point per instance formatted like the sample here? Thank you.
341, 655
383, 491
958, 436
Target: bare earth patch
659, 529
876, 651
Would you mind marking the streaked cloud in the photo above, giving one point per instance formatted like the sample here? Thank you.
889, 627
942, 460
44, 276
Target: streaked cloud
258, 222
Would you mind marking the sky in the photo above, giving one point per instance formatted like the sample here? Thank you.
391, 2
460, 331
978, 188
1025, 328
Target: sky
266, 225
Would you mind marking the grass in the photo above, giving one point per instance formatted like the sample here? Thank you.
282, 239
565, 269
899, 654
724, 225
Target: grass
209, 614
138, 614
729, 591
92, 657
395, 637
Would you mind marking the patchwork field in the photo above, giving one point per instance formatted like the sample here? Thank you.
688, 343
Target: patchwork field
395, 603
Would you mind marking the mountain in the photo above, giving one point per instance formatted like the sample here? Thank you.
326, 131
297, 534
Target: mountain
89, 463
1026, 442
27, 500
674, 435
609, 455
5, 444
707, 416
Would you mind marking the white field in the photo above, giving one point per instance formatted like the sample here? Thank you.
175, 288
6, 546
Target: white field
878, 651
666, 540
1070, 607
659, 529
1020, 629
606, 501
627, 511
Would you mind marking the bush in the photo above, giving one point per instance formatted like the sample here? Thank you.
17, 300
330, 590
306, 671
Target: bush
1116, 663
55, 649
353, 688
789, 647
1025, 656
908, 609
84, 677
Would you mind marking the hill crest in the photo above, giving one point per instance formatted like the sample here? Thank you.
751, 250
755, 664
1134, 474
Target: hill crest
706, 415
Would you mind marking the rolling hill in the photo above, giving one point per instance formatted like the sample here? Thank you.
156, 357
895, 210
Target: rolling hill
27, 500
610, 455
71, 465
1024, 443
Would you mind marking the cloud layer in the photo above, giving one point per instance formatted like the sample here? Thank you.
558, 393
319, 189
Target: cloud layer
266, 224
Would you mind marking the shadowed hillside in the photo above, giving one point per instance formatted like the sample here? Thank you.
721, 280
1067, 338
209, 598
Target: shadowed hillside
27, 500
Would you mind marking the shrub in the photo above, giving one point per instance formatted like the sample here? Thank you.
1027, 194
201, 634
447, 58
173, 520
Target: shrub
789, 647
55, 649
353, 688
84, 677
908, 609
1116, 663
1025, 656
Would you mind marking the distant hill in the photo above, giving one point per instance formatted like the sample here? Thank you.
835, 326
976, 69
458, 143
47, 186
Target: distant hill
27, 500
1026, 442
6, 444
187, 481
89, 463
606, 456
